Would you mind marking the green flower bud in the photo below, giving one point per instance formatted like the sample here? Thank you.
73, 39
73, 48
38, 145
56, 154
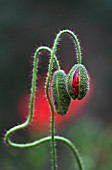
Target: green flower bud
78, 82
59, 92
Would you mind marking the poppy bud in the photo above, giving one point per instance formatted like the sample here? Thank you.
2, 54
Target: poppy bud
78, 82
59, 92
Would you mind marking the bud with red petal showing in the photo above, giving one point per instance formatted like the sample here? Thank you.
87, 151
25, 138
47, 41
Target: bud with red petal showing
78, 82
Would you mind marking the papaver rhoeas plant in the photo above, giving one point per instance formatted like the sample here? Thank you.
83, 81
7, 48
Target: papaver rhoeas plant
40, 123
63, 89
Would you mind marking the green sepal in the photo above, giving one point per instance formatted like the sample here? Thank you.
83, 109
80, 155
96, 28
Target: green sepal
60, 96
83, 83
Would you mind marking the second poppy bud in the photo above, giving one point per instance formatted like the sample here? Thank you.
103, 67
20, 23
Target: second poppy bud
78, 82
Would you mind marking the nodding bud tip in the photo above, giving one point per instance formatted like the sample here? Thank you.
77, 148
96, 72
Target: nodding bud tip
78, 82
60, 96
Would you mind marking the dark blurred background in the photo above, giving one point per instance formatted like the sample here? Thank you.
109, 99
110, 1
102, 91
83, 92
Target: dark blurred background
25, 25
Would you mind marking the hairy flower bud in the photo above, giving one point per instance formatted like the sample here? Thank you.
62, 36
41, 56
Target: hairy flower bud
59, 92
78, 82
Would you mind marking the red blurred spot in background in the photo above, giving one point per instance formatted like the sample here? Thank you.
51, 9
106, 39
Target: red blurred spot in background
42, 114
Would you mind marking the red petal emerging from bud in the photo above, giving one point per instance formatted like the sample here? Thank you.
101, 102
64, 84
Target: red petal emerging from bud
75, 82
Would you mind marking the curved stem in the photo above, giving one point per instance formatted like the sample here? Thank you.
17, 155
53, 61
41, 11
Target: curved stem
33, 89
48, 83
46, 139
77, 44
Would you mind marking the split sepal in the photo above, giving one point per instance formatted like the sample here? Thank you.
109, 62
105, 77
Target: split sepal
78, 82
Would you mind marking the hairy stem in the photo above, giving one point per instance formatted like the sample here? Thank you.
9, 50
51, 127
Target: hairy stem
32, 96
46, 139
48, 83
76, 41
52, 111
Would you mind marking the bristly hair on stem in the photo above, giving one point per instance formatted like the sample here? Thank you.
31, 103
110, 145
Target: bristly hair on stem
52, 136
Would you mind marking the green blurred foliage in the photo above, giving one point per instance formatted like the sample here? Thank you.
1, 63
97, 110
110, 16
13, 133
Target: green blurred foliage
93, 143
